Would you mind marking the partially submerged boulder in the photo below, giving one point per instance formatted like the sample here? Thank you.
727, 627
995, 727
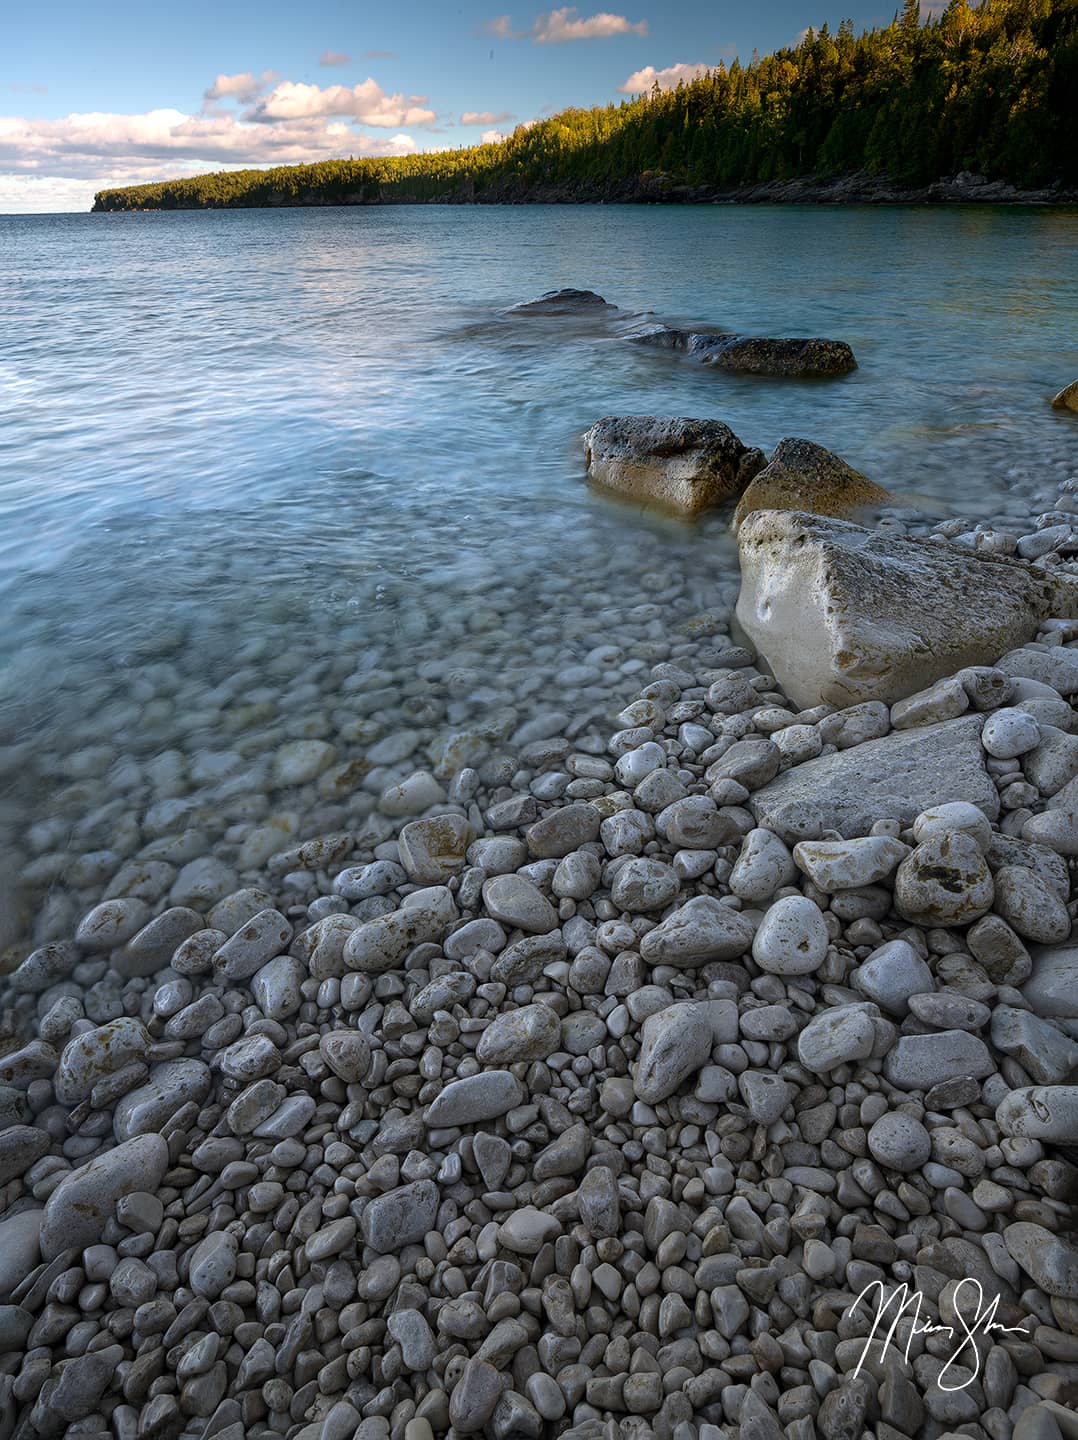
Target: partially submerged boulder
893, 778
562, 302
1067, 399
803, 476
751, 355
698, 343
680, 464
844, 614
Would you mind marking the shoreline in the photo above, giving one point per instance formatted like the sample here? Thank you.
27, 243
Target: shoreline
856, 189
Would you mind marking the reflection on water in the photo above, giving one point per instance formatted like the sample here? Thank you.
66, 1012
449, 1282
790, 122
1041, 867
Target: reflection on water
280, 435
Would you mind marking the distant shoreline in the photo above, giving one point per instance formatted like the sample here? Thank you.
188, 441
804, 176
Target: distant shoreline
858, 189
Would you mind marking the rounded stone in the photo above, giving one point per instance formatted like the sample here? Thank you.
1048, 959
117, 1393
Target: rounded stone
899, 1142
531, 1033
945, 882
1009, 733
955, 815
792, 938
642, 885
347, 1053
515, 901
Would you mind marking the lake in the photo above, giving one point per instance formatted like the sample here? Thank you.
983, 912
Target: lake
278, 475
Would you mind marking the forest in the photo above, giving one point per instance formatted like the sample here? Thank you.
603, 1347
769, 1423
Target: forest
990, 89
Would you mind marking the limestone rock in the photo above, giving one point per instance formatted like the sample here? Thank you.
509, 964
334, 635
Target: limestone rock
945, 881
1050, 1261
682, 464
755, 355
401, 1217
845, 614
76, 1211
699, 931
476, 1097
893, 778
1041, 1112
803, 476
674, 1043
1052, 988
433, 849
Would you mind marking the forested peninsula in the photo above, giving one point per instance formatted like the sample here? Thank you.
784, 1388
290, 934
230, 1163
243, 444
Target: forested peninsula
983, 95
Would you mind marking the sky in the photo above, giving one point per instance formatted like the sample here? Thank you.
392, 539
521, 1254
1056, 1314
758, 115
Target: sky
97, 93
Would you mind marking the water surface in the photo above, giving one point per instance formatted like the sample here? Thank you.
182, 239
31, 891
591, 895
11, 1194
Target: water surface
296, 447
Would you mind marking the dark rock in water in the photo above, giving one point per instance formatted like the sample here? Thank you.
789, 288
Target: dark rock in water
750, 355
562, 302
804, 476
754, 356
684, 465
698, 343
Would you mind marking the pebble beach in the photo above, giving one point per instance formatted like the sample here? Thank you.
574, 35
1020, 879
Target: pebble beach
480, 1000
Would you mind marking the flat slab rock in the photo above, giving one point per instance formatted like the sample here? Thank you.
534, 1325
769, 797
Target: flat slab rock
893, 778
681, 464
844, 614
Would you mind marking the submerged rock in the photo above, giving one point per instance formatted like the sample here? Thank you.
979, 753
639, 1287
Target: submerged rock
844, 614
562, 302
682, 464
803, 476
752, 355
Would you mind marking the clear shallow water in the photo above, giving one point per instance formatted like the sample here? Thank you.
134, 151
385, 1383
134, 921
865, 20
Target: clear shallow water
267, 453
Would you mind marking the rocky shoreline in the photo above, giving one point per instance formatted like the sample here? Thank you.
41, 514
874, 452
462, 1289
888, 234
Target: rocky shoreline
580, 1081
655, 188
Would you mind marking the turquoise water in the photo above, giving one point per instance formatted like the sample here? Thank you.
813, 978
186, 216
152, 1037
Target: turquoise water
230, 438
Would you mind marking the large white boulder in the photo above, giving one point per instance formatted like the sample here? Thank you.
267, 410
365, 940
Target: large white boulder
844, 614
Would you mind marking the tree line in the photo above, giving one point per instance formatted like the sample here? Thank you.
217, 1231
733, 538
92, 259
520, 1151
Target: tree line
989, 88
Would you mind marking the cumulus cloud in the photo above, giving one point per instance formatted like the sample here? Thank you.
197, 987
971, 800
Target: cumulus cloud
501, 27
561, 25
111, 149
485, 117
491, 137
667, 79
367, 103
333, 57
244, 88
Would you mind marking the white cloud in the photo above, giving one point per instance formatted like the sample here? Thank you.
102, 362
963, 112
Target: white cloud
333, 57
561, 25
367, 102
491, 137
42, 194
244, 88
668, 79
501, 27
99, 150
485, 117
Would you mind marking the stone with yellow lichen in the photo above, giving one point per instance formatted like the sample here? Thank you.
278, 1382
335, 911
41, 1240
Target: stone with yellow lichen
803, 476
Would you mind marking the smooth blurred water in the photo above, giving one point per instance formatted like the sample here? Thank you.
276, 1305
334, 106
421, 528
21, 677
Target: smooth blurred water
216, 426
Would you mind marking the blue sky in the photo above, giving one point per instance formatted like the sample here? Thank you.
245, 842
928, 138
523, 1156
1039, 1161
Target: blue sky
109, 92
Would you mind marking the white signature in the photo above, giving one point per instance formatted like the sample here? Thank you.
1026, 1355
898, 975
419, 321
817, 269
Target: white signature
983, 1322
